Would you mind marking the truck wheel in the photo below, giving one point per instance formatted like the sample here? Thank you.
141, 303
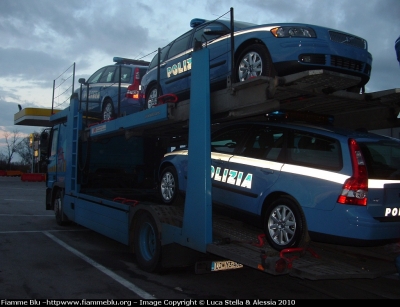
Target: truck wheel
108, 110
58, 204
284, 224
151, 97
147, 244
254, 61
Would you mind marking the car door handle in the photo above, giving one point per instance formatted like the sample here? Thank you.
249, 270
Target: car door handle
163, 64
267, 171
219, 162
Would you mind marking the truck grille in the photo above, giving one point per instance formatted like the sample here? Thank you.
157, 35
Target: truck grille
347, 39
342, 62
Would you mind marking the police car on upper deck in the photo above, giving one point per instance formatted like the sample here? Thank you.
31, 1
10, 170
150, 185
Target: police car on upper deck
297, 179
269, 50
113, 90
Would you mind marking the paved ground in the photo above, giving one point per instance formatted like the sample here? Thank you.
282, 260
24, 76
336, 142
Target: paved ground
41, 260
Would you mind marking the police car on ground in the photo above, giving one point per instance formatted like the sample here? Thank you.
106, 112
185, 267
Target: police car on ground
297, 179
269, 50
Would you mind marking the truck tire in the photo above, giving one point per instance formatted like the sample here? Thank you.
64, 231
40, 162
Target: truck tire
58, 206
147, 244
284, 224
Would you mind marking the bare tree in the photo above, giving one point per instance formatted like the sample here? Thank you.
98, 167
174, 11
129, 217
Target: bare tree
24, 150
12, 143
3, 161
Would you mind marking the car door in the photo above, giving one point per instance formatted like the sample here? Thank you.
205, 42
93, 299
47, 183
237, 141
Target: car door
107, 86
224, 144
213, 36
91, 92
176, 69
254, 168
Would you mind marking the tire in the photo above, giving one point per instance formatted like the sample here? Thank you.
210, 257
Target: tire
58, 206
253, 62
169, 187
151, 97
147, 244
284, 224
108, 110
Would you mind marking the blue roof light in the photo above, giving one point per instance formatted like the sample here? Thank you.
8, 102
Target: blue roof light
299, 116
196, 22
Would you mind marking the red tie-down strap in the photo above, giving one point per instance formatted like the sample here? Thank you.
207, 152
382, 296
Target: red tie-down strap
167, 98
290, 260
127, 201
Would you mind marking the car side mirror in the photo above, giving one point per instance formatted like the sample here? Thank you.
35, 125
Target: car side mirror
215, 30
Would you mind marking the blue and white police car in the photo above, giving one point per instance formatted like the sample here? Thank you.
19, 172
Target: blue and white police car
259, 50
298, 181
113, 90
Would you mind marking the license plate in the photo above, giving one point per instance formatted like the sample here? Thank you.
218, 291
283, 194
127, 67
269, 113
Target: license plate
225, 265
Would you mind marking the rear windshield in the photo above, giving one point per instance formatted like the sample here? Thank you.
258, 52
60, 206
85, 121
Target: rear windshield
382, 159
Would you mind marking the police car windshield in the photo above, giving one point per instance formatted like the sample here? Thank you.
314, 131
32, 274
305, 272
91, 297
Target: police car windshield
240, 25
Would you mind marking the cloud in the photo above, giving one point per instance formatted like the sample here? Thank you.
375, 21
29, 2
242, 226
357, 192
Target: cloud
41, 39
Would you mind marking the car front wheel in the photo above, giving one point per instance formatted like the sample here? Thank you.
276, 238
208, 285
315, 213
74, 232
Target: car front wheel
169, 187
284, 224
253, 62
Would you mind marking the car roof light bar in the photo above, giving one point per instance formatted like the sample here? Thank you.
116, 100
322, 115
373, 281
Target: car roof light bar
299, 116
196, 22
120, 60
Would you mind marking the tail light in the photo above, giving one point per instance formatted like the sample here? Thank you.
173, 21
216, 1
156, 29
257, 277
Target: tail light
133, 89
355, 189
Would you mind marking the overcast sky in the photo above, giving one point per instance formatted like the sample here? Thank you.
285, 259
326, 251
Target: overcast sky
42, 39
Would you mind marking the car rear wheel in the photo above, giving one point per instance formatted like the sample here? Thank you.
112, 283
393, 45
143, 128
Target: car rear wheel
108, 110
284, 224
169, 187
253, 62
151, 97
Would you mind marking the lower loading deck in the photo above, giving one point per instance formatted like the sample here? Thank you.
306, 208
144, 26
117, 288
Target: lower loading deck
243, 243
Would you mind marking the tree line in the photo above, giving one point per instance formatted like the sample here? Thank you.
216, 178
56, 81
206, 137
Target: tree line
16, 144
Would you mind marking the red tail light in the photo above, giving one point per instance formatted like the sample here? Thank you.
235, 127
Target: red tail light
355, 189
133, 89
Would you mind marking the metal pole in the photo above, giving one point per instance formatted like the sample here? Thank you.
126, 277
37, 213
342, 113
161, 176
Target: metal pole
52, 100
158, 72
33, 156
73, 79
232, 48
119, 90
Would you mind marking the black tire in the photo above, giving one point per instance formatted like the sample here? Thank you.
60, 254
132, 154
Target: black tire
254, 61
108, 110
169, 187
58, 207
284, 224
151, 97
147, 243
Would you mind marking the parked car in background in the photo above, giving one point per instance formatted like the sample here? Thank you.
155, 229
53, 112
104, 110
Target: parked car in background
270, 50
106, 90
397, 48
299, 180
